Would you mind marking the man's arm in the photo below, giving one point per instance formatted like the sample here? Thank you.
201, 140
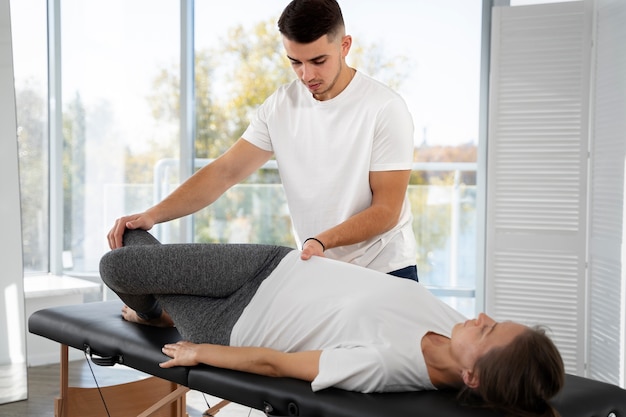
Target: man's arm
257, 360
388, 192
200, 190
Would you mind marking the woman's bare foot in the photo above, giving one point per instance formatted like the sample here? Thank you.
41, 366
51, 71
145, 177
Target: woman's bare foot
131, 315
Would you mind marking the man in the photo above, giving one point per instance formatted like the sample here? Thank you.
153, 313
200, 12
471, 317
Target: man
344, 147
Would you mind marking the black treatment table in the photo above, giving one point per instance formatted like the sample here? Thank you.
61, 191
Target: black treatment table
99, 330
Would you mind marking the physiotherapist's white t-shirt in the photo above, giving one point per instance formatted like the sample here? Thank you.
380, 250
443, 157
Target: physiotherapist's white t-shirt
325, 151
369, 325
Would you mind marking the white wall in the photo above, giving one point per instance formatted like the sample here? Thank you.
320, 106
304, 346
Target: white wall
12, 329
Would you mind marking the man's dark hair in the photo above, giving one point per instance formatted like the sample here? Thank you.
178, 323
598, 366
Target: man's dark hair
305, 21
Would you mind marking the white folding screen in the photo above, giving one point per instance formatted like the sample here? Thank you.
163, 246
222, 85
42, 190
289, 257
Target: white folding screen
537, 166
606, 285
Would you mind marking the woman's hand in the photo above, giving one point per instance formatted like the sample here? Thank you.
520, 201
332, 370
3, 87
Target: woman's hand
182, 353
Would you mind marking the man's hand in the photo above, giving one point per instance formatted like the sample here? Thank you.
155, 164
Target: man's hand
311, 247
133, 221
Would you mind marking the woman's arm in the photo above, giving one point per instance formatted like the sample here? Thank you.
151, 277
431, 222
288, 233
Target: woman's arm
257, 360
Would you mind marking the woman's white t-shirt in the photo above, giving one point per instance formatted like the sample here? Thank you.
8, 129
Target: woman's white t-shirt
369, 325
325, 151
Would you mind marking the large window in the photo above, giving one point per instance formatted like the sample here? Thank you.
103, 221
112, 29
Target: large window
123, 99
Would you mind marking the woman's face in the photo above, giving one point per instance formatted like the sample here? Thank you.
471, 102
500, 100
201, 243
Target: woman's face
472, 339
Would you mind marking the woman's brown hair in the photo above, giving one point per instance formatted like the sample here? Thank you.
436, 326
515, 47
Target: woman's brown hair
520, 378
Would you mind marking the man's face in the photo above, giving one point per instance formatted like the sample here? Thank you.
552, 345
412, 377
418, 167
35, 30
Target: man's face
319, 64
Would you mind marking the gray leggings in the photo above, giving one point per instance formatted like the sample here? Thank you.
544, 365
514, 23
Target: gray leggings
203, 287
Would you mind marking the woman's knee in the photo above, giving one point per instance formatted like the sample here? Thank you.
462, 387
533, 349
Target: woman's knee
138, 237
111, 267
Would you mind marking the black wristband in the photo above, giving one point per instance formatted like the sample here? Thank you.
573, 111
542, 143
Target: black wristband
317, 240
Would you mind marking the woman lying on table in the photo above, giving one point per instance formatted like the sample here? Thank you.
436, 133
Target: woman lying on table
261, 309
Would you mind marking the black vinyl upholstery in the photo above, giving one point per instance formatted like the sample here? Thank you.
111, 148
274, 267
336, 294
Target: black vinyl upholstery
100, 328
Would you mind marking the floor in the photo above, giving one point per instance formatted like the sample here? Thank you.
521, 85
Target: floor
43, 387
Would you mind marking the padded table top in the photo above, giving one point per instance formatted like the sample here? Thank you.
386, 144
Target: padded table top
100, 326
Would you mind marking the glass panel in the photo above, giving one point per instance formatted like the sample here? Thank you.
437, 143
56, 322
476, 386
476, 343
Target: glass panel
237, 44
120, 62
28, 20
429, 51
445, 228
